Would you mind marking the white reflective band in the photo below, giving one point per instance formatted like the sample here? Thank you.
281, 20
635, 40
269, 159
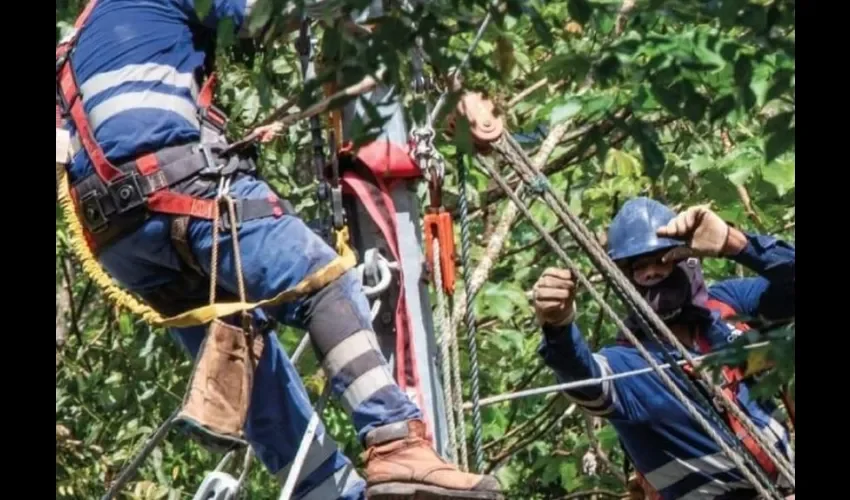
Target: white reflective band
707, 491
149, 72
365, 386
677, 469
348, 350
779, 434
142, 100
607, 401
320, 450
343, 480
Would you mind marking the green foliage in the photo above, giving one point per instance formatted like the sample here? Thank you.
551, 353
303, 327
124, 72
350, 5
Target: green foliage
688, 102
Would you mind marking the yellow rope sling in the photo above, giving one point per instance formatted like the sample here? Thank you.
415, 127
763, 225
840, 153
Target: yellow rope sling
201, 315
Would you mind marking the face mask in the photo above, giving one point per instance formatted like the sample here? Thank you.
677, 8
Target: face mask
681, 296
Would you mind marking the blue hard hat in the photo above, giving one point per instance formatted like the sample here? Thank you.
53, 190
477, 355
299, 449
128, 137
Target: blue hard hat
632, 232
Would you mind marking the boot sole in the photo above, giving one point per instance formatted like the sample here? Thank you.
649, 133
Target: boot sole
416, 491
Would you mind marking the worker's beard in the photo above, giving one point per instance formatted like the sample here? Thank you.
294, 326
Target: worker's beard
680, 298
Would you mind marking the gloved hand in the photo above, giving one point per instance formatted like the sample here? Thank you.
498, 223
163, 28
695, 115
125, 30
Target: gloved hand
704, 231
554, 297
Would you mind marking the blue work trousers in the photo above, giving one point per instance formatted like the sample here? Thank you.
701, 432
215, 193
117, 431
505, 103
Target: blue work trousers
277, 253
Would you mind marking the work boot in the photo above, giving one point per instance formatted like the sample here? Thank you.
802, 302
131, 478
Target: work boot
401, 465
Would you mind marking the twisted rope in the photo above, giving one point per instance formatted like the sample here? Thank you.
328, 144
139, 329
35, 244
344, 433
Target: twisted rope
648, 318
443, 334
770, 491
458, 406
470, 316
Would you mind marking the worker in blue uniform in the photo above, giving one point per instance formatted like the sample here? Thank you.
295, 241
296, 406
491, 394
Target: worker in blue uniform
658, 251
148, 156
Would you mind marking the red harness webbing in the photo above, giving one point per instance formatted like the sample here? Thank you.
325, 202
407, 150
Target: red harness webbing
163, 200
374, 194
732, 376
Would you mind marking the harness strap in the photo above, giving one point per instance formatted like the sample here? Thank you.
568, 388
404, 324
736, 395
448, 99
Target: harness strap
110, 211
173, 203
731, 378
180, 240
373, 193
72, 103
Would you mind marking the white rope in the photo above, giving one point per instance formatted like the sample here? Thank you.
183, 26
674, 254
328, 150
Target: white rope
510, 396
577, 231
458, 396
444, 330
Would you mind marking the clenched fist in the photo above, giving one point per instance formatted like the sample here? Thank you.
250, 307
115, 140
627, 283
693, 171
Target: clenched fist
706, 234
554, 297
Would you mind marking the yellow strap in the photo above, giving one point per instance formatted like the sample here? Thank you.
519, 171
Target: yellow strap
201, 315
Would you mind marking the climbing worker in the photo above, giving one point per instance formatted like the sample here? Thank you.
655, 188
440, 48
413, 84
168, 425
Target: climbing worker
658, 251
151, 178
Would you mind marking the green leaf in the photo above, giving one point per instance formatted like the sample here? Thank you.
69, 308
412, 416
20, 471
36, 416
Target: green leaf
202, 8
621, 164
653, 158
779, 143
667, 97
540, 27
114, 378
740, 173
568, 472
721, 107
551, 471
260, 15
565, 111
700, 163
579, 10
779, 123
781, 175
781, 84
597, 105
125, 324
463, 137
149, 344
226, 33
695, 107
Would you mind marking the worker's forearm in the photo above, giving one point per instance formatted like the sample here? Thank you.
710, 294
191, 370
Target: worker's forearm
736, 242
565, 351
770, 257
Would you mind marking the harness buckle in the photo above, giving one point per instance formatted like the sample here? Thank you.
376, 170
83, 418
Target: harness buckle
213, 116
224, 215
211, 167
126, 193
93, 214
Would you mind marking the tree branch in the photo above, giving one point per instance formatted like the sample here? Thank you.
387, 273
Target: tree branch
597, 449
67, 283
532, 422
594, 492
522, 444
528, 91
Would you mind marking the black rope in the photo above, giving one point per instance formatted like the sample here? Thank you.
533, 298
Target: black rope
470, 315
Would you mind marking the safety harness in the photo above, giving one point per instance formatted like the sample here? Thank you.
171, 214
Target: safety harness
116, 200
732, 377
